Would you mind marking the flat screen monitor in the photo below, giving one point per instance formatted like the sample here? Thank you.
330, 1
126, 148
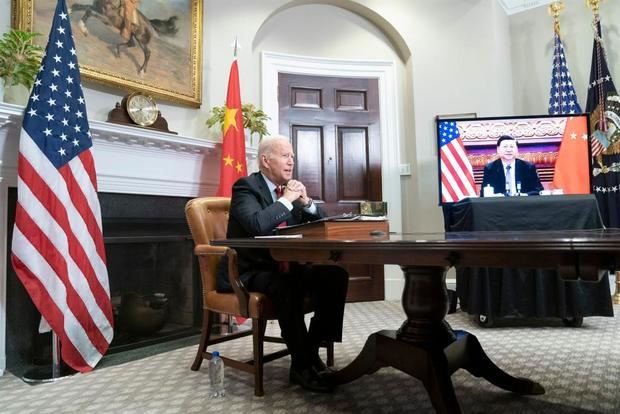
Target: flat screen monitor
555, 147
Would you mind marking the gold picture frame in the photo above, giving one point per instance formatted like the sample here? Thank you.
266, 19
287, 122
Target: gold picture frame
173, 70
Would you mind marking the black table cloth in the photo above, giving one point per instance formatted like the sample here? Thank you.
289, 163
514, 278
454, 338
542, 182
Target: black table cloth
507, 292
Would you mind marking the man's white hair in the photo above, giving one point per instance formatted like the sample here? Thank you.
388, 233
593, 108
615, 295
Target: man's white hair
267, 144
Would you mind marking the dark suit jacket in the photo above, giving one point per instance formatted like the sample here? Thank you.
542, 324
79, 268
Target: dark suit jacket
525, 172
253, 213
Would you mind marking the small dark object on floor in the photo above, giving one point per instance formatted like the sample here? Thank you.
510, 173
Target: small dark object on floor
485, 321
573, 321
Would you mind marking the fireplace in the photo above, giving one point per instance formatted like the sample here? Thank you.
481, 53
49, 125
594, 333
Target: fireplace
154, 280
154, 283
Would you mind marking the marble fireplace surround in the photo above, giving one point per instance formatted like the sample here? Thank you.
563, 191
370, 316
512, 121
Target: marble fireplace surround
129, 160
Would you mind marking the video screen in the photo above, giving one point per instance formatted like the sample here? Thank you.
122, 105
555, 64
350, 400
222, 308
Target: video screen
508, 156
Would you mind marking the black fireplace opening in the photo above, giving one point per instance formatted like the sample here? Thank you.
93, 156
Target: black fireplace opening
153, 276
152, 291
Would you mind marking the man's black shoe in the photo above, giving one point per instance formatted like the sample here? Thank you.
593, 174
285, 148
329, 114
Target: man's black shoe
321, 368
310, 380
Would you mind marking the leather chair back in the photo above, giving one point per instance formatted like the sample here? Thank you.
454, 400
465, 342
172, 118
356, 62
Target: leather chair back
207, 218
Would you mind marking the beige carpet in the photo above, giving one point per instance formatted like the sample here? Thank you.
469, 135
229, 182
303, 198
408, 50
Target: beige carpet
579, 367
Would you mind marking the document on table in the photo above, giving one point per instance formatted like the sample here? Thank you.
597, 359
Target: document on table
281, 236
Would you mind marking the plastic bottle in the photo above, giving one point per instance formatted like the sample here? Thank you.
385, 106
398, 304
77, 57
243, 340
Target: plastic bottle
216, 376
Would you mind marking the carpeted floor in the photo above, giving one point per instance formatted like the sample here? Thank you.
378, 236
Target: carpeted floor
579, 367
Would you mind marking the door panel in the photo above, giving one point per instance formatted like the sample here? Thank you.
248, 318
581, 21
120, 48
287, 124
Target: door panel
309, 142
352, 171
334, 128
363, 280
306, 98
350, 100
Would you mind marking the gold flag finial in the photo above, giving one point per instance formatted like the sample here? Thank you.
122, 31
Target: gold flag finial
594, 5
555, 9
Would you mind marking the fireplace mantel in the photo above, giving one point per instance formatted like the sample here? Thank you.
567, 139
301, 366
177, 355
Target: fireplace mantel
129, 160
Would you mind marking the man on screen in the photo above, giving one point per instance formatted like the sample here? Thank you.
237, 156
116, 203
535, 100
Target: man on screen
509, 175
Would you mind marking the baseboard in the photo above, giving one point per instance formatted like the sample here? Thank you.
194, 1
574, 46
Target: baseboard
395, 282
451, 284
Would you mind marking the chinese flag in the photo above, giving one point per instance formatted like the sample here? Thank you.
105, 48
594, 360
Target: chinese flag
571, 172
232, 165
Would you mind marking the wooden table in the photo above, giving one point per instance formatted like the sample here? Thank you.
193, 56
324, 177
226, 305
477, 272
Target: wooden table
425, 346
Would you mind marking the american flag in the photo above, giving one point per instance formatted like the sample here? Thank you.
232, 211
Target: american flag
457, 178
562, 97
57, 249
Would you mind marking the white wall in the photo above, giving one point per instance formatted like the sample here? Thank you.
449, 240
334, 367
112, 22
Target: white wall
466, 56
531, 36
450, 56
457, 47
446, 53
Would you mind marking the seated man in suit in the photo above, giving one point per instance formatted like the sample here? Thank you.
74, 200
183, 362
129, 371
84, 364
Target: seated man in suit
260, 203
509, 175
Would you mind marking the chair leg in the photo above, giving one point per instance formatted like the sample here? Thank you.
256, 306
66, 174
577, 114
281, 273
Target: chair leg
330, 353
207, 323
258, 335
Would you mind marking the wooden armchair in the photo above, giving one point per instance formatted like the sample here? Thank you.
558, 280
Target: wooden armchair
208, 219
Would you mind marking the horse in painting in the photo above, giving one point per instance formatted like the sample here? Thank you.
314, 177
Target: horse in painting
141, 30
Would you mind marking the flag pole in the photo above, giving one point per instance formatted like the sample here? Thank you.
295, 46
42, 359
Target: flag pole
616, 296
55, 356
53, 373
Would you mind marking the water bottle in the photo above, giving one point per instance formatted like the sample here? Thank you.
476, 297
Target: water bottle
216, 376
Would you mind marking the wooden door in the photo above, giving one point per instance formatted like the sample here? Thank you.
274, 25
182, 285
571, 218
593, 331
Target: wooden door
334, 128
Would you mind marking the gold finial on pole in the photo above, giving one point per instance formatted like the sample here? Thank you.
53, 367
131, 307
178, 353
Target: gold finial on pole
594, 5
555, 9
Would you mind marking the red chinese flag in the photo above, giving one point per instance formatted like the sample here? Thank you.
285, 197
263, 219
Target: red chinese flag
232, 165
571, 172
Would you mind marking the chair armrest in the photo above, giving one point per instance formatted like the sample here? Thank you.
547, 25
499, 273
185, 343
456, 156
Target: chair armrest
206, 249
243, 296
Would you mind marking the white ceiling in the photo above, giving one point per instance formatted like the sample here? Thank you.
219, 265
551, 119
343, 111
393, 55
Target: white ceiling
517, 6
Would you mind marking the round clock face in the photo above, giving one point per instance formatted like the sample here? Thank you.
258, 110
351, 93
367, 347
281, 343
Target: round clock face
142, 109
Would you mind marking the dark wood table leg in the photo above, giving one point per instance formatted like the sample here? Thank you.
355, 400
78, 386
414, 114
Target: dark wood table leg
475, 360
427, 348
